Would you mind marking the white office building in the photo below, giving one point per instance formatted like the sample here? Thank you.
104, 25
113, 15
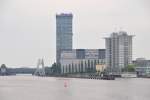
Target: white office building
81, 60
118, 51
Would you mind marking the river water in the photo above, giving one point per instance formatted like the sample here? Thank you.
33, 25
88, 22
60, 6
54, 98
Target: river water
50, 88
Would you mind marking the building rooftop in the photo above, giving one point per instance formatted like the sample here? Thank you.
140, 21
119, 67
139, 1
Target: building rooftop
64, 14
119, 33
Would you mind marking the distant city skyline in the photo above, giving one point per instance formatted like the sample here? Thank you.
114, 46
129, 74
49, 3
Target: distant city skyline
28, 27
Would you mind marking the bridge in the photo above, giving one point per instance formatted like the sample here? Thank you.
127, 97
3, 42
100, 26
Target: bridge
38, 71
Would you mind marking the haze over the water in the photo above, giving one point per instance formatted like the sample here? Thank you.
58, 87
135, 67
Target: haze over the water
27, 27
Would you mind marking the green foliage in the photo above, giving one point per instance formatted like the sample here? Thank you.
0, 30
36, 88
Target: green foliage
129, 68
3, 66
48, 71
56, 68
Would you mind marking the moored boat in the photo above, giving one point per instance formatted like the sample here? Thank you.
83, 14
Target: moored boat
128, 75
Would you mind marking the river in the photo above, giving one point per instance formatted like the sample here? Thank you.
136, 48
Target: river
50, 88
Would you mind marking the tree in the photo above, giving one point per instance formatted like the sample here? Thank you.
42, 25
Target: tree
3, 66
48, 71
3, 69
56, 68
129, 68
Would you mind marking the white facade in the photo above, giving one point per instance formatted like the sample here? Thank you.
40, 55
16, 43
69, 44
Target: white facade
118, 51
91, 54
70, 54
79, 65
71, 63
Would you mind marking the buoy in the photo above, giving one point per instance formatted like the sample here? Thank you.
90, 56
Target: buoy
65, 84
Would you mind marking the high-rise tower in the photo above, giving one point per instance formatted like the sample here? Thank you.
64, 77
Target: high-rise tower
118, 51
63, 33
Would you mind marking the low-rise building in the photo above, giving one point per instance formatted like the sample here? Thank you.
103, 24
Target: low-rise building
100, 67
81, 60
142, 66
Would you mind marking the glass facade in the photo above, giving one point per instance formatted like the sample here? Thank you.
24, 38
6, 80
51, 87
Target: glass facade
80, 53
81, 60
63, 33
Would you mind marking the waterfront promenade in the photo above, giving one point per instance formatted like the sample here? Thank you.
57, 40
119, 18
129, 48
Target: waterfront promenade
50, 88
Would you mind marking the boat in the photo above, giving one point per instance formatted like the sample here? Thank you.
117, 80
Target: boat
128, 75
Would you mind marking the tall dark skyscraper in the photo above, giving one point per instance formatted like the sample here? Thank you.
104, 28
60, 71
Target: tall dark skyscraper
63, 33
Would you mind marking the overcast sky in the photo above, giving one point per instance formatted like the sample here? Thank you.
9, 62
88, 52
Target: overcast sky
27, 27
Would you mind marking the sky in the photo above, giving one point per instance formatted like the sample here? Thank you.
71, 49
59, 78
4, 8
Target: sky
28, 27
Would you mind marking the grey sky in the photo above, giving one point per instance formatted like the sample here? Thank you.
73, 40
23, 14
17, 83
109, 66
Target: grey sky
27, 27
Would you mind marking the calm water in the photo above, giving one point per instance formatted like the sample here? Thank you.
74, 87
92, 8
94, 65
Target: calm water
38, 88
